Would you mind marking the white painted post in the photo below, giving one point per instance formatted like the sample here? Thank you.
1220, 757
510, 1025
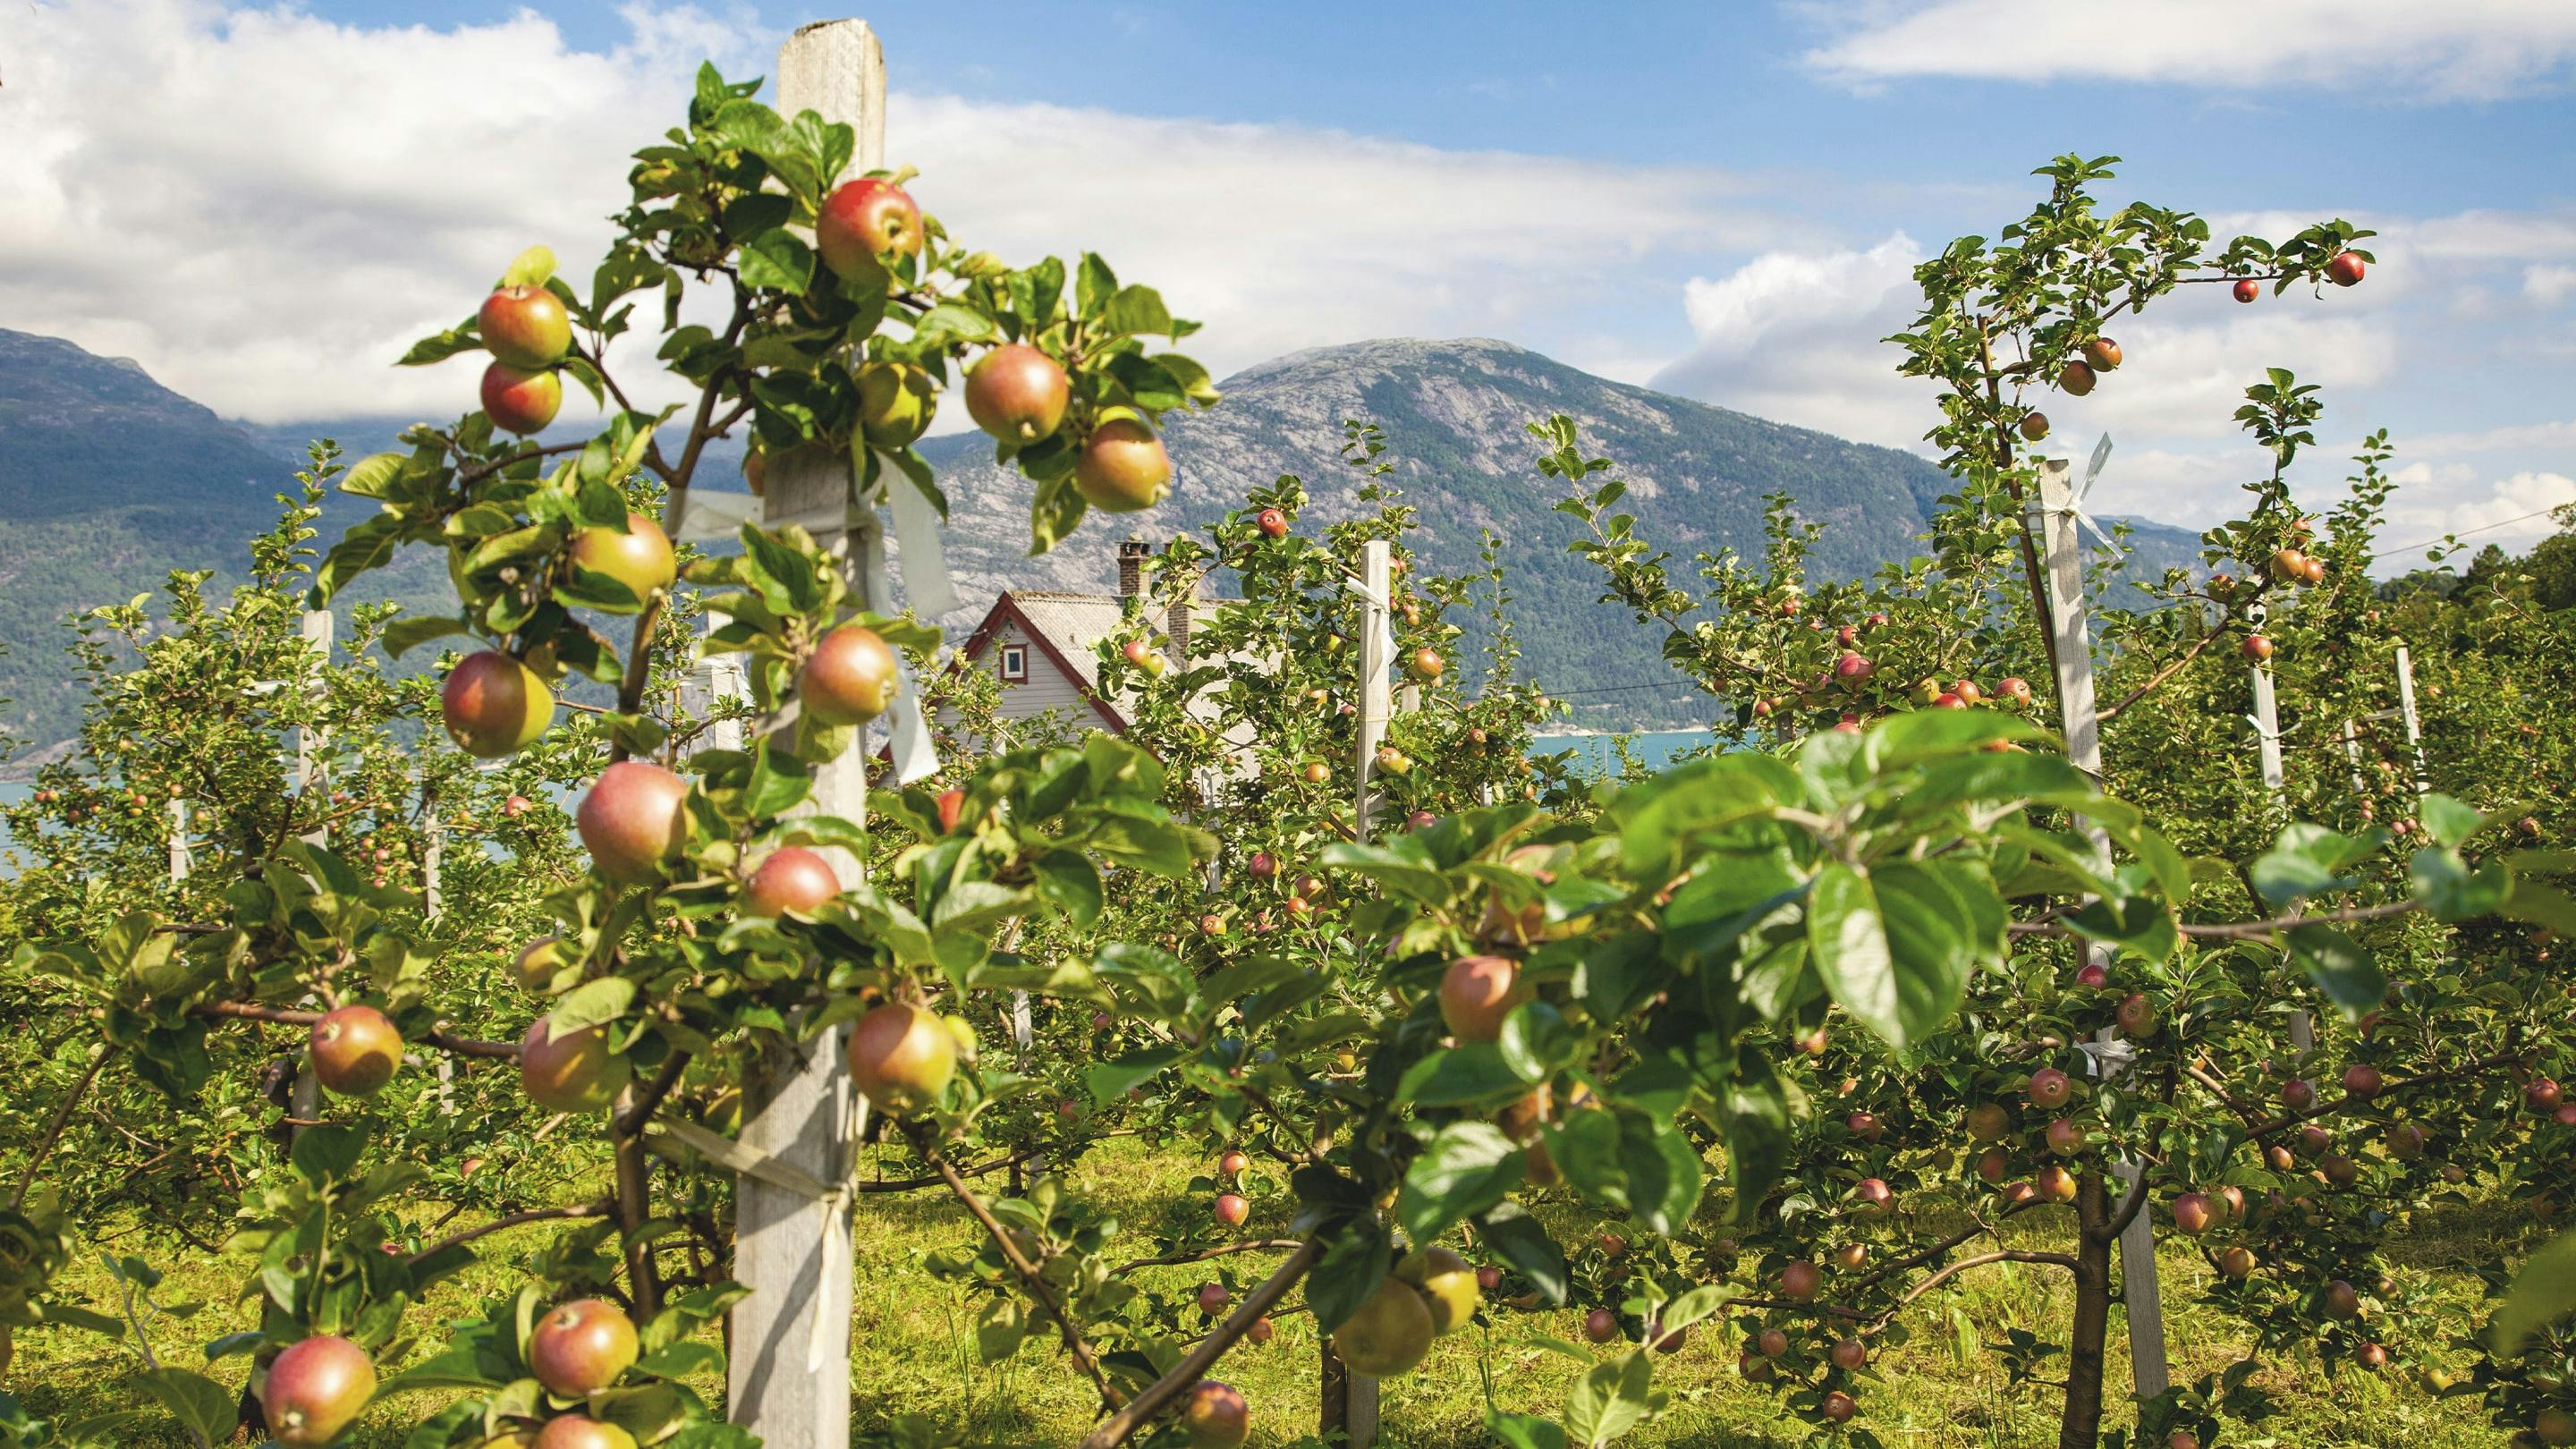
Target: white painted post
1375, 699
306, 1104
178, 841
2267, 739
2414, 729
2352, 755
788, 1379
2083, 724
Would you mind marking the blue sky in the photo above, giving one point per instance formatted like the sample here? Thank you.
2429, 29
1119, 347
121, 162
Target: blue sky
1723, 200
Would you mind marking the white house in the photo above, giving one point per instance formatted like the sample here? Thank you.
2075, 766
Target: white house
1042, 646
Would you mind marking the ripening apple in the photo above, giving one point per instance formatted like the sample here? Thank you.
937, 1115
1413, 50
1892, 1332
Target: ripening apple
1800, 1281
2342, 1300
1850, 1355
1260, 1331
1272, 523
493, 705
2056, 1182
2014, 691
2247, 289
791, 878
901, 1057
316, 1389
1448, 1286
1124, 467
538, 962
640, 558
863, 220
575, 1072
1850, 1257
1865, 1126
2034, 425
1388, 1335
1947, 700
582, 1347
1988, 1121
895, 402
578, 1431
2405, 1141
1017, 393
1477, 993
2137, 1016
2361, 1081
2193, 1213
1993, 1163
1231, 1209
2102, 353
2236, 1262
2076, 379
633, 820
2346, 269
1872, 1197
2093, 976
2372, 1356
1838, 1407
2554, 1425
1852, 671
525, 327
2050, 1088
355, 1051
2542, 1093
1755, 1369
519, 400
1233, 1163
1488, 1279
1601, 1325
1424, 666
2065, 1137
1215, 1416
850, 678
1143, 655
2257, 648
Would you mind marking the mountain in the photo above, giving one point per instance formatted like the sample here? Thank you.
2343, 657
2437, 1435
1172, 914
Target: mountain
108, 481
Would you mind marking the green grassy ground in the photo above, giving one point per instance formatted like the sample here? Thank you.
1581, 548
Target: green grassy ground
913, 1350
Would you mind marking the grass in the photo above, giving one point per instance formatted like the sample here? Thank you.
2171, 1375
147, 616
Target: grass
914, 1347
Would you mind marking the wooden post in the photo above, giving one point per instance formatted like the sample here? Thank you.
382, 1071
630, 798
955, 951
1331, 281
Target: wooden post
305, 1105
788, 1378
178, 841
2267, 739
1375, 699
2083, 724
2414, 729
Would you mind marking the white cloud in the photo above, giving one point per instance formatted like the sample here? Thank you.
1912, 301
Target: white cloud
2513, 513
265, 207
1794, 336
2549, 286
2434, 49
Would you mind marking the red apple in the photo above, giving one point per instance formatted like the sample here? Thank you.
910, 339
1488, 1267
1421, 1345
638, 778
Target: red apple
2034, 425
1838, 1407
633, 820
355, 1051
2056, 1182
1213, 1298
2298, 1094
2137, 1016
1425, 666
2236, 1262
1865, 1126
316, 1389
901, 1057
520, 401
1850, 1355
2050, 1088
1017, 393
582, 1347
493, 705
1489, 1278
1260, 1331
2103, 354
1873, 1197
1800, 1280
2065, 1138
1477, 993
1123, 468
2247, 289
525, 327
850, 677
863, 220
1272, 522
570, 1431
2361, 1081
792, 878
2193, 1213
952, 805
1215, 1416
1601, 1325
2346, 269
2093, 976
2257, 648
1852, 670
2076, 379
1231, 1209
574, 1072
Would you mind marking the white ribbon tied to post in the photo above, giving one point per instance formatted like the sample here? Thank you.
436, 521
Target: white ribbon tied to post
2076, 495
1385, 625
835, 1200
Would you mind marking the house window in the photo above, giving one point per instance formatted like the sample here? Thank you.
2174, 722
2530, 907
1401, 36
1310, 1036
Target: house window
1015, 663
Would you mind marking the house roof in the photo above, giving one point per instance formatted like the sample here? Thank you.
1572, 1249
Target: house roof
1066, 628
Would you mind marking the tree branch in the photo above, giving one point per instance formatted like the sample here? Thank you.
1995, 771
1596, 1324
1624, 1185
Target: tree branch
98, 1055
1020, 1265
1222, 1250
518, 1220
1120, 1426
453, 1045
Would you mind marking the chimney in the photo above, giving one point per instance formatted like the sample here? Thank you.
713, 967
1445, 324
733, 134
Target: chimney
1131, 567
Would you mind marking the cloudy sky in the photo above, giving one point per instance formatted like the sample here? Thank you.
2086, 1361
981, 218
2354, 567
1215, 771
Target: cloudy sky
263, 203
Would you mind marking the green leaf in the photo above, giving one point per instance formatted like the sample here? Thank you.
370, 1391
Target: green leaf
2447, 820
591, 1004
1111, 1080
779, 261
2307, 860
1467, 1168
1890, 957
202, 1405
1348, 1275
2453, 892
951, 321
328, 1154
1519, 1239
1093, 285
1524, 1431
2542, 1293
2346, 973
403, 634
1137, 311
1068, 881
533, 268
1610, 1400
1469, 1072
1753, 1113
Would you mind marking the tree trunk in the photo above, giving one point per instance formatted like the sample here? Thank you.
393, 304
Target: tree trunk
2080, 1425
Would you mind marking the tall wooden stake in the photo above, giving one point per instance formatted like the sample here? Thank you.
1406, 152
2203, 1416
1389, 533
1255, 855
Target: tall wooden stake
2073, 640
788, 1379
2414, 727
306, 1103
2267, 740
